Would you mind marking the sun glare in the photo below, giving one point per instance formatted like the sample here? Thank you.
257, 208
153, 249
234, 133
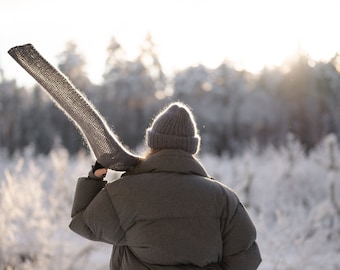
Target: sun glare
249, 34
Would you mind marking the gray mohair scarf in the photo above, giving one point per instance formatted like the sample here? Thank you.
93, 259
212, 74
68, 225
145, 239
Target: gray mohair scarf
100, 138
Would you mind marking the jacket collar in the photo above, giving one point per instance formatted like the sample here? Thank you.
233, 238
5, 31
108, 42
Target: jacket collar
170, 160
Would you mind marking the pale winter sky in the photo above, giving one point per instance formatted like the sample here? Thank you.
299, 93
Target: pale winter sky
249, 33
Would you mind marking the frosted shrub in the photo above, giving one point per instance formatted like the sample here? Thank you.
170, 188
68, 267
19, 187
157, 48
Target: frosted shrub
293, 199
26, 226
35, 204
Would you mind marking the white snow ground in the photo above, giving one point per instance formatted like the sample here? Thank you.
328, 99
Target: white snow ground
293, 199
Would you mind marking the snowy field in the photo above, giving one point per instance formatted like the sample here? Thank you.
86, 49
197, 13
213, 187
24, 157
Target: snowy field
293, 199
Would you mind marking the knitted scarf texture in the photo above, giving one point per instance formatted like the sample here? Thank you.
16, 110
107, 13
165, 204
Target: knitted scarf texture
101, 140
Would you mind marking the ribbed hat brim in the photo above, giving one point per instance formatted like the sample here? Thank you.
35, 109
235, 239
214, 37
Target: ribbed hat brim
157, 140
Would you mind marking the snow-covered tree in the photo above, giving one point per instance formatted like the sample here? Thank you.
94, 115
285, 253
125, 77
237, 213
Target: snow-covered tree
148, 57
328, 82
130, 94
298, 90
12, 115
72, 63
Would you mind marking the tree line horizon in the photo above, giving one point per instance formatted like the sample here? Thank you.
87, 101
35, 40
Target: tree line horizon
233, 108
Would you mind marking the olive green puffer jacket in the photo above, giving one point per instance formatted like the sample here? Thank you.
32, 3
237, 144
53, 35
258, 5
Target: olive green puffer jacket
167, 214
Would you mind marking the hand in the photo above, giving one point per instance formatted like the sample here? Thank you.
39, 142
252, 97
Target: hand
100, 172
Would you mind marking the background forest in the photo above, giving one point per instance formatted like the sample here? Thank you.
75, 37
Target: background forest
234, 108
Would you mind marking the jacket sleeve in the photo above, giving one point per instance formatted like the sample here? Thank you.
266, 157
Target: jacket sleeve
93, 214
240, 250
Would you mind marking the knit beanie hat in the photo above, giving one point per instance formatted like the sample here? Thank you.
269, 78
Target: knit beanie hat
174, 128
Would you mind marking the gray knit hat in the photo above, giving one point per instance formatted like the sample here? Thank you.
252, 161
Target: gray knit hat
174, 128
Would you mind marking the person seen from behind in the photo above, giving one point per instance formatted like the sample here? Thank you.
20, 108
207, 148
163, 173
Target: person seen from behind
166, 213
